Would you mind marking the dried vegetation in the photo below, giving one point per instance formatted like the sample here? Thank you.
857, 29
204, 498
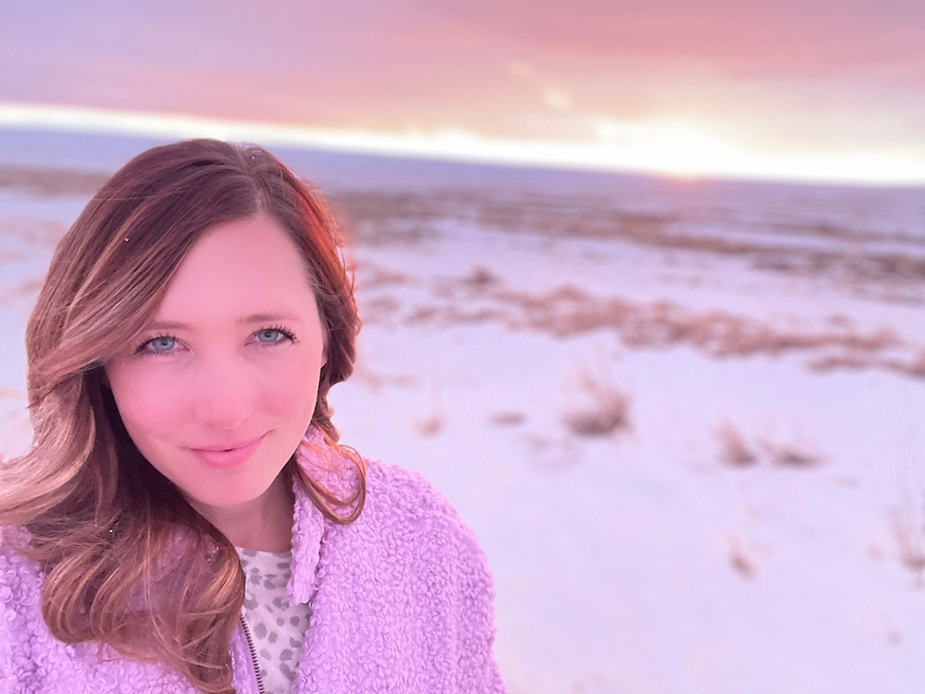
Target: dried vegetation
48, 181
851, 254
607, 411
735, 449
481, 297
908, 528
795, 453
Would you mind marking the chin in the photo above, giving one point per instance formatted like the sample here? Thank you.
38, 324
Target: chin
227, 493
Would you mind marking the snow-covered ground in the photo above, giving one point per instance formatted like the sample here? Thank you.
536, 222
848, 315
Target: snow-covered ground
686, 420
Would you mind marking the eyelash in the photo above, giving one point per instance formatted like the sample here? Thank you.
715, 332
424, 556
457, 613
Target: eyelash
140, 349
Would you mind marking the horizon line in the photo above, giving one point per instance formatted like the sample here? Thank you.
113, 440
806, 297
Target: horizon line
457, 145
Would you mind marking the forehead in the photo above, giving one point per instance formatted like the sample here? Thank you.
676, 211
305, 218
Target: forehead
241, 267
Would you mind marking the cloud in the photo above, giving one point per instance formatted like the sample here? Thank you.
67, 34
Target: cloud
787, 73
790, 39
557, 99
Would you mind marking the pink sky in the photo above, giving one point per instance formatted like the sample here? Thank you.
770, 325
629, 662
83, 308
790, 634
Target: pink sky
831, 78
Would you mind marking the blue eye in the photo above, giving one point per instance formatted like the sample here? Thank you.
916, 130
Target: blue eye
271, 336
162, 344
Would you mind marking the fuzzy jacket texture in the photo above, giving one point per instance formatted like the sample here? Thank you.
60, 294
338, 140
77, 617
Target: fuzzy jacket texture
401, 600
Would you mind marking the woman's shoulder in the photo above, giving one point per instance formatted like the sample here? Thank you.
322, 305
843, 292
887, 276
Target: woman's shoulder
20, 585
20, 607
398, 495
18, 573
404, 518
391, 485
415, 517
33, 660
411, 572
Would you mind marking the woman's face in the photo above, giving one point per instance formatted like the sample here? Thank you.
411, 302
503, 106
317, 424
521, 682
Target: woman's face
219, 388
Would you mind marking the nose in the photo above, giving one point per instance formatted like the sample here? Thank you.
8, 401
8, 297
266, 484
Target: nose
224, 393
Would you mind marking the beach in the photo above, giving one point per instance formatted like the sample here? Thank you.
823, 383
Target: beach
684, 418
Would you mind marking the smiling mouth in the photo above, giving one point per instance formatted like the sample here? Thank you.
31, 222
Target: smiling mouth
221, 447
227, 455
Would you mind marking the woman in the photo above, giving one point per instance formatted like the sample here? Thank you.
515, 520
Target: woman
180, 355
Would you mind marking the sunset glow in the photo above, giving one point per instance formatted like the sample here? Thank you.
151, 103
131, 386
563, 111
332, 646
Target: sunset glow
661, 148
784, 91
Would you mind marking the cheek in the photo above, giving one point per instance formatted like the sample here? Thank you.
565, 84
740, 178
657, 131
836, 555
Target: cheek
149, 406
290, 392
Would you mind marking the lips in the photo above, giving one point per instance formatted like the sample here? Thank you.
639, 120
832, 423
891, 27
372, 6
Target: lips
223, 456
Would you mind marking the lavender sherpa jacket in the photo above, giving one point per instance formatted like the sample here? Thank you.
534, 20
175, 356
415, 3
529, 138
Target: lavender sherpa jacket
402, 603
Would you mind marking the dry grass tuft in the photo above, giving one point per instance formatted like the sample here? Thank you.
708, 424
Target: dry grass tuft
49, 181
433, 423
608, 412
747, 557
430, 426
795, 454
740, 561
733, 447
909, 533
915, 368
737, 451
375, 276
480, 278
507, 419
850, 362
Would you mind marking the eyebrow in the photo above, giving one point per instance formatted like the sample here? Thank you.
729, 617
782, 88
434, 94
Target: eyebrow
245, 320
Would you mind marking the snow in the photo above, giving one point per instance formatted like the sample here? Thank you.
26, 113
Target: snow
640, 560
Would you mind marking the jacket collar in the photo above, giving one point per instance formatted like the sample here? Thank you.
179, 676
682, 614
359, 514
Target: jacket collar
308, 523
307, 531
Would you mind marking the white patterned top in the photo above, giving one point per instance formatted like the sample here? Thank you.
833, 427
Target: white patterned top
276, 627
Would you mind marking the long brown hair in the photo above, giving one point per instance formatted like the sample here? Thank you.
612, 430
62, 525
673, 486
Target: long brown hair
101, 518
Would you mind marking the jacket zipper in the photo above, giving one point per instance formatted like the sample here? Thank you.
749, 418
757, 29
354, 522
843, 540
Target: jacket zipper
250, 645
